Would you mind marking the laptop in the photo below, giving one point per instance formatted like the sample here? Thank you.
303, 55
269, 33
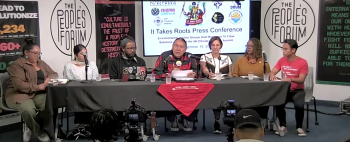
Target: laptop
134, 73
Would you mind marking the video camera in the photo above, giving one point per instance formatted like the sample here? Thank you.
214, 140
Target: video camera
135, 115
230, 108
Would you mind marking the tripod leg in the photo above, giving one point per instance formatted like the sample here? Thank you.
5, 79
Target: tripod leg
144, 137
154, 126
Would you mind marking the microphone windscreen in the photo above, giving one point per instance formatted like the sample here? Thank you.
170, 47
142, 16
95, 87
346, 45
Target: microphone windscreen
84, 53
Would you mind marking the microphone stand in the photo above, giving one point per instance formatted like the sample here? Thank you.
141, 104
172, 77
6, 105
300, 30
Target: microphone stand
86, 73
264, 67
198, 69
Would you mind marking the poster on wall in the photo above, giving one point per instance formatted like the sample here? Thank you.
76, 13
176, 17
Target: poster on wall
114, 19
18, 20
333, 59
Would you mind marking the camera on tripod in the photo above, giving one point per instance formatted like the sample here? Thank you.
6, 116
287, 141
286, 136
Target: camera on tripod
230, 108
135, 117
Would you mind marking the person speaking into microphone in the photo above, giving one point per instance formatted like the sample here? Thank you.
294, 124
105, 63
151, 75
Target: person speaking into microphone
177, 59
253, 61
212, 63
75, 70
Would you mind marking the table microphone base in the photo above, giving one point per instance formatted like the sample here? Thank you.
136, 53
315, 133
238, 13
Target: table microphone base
86, 81
199, 79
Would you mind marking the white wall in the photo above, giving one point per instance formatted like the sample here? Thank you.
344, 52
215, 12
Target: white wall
307, 51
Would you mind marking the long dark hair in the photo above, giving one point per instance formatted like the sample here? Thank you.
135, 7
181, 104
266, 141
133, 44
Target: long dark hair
77, 49
104, 124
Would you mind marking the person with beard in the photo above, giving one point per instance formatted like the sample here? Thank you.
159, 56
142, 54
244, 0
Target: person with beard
127, 58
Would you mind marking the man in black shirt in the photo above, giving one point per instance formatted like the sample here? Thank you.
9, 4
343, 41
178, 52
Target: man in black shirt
127, 58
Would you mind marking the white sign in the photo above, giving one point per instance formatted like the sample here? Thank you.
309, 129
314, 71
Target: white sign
291, 19
70, 25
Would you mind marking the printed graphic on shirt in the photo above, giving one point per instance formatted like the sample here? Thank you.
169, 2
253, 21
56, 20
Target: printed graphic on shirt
289, 72
210, 60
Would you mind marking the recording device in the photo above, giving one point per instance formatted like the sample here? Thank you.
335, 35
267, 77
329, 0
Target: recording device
135, 116
265, 60
86, 69
230, 108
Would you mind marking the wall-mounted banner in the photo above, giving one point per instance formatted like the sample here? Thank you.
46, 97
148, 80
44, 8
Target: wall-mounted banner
288, 19
18, 20
70, 25
333, 55
114, 19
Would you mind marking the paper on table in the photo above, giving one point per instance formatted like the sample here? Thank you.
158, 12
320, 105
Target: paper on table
247, 76
180, 73
60, 81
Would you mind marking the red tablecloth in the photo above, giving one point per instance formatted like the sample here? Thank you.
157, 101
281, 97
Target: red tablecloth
185, 96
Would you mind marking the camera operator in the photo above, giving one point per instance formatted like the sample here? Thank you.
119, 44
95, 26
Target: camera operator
104, 126
248, 126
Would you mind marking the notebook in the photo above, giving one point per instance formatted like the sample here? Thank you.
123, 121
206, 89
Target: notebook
134, 73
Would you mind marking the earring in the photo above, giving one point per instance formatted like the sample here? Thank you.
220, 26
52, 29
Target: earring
26, 57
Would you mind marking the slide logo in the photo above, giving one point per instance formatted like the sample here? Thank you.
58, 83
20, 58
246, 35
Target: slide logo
236, 17
158, 21
217, 4
195, 14
291, 20
217, 18
155, 11
236, 5
168, 11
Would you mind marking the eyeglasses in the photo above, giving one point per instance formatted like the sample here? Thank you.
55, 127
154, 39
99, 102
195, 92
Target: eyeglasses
284, 49
249, 46
130, 48
36, 53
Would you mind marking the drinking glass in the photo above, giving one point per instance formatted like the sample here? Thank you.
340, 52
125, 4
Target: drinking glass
98, 77
218, 76
251, 75
168, 79
153, 78
266, 77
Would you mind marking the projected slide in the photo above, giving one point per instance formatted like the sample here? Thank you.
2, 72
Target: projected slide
196, 22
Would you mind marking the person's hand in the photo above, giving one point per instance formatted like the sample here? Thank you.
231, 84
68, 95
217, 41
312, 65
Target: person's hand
191, 75
46, 82
287, 79
42, 86
211, 75
273, 77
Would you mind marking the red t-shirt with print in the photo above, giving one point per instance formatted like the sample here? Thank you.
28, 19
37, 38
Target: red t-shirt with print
292, 69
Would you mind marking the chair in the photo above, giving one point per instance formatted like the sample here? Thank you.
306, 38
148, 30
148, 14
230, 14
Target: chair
4, 78
309, 87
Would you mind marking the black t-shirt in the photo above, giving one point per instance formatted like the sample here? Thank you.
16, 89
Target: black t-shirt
41, 77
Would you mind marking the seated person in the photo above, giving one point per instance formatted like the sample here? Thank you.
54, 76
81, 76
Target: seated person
294, 69
248, 126
252, 61
75, 70
212, 63
127, 58
179, 61
104, 126
26, 92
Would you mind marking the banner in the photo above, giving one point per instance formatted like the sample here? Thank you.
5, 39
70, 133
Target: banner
114, 19
18, 20
333, 56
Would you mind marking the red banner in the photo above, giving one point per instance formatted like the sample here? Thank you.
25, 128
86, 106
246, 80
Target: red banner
185, 96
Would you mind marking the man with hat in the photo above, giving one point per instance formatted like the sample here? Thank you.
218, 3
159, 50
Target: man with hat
248, 126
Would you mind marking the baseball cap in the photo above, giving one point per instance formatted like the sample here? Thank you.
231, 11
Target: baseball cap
247, 117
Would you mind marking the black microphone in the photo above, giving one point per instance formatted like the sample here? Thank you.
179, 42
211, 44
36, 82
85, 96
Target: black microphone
169, 57
265, 60
86, 60
264, 56
86, 69
193, 56
219, 58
